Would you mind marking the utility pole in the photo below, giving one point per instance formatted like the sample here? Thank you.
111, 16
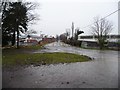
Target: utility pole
118, 24
72, 29
119, 18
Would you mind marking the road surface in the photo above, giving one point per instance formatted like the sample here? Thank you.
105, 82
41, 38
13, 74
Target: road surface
101, 72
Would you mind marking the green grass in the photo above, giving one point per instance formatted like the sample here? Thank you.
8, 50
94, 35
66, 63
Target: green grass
43, 58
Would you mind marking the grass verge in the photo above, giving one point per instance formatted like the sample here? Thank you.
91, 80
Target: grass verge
41, 58
22, 49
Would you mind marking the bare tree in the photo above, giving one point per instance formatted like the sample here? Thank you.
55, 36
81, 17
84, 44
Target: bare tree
101, 28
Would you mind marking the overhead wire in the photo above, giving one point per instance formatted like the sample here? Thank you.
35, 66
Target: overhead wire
101, 18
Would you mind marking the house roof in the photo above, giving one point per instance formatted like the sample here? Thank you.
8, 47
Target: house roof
31, 35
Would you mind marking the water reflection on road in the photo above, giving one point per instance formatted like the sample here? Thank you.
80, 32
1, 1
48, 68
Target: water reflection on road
102, 72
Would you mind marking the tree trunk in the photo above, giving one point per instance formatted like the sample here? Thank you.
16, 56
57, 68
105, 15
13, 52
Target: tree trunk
100, 44
101, 47
17, 37
13, 39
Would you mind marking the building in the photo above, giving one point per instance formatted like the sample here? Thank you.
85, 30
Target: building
91, 41
30, 39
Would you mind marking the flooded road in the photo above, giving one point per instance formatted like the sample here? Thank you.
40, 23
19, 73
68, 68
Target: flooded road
101, 72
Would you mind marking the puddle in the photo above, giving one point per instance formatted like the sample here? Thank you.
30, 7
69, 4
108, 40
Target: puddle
73, 75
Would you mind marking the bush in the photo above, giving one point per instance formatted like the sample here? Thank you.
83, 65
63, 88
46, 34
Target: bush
73, 42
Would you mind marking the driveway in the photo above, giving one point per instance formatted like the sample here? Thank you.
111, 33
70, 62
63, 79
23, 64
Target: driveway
101, 72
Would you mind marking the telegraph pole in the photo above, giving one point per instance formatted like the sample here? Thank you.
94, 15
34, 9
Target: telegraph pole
72, 29
119, 25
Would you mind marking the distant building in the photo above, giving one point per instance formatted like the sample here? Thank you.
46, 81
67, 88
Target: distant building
91, 41
30, 39
48, 39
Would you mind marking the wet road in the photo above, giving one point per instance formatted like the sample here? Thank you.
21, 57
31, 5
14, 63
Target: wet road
101, 72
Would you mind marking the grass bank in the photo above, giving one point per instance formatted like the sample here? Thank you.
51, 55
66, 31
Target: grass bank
41, 58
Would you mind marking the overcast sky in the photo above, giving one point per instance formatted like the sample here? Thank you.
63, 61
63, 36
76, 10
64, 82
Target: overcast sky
57, 15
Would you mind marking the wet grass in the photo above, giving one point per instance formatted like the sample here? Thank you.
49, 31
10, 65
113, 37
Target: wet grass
25, 56
22, 49
35, 47
41, 58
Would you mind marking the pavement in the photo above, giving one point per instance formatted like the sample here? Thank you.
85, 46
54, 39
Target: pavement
101, 72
